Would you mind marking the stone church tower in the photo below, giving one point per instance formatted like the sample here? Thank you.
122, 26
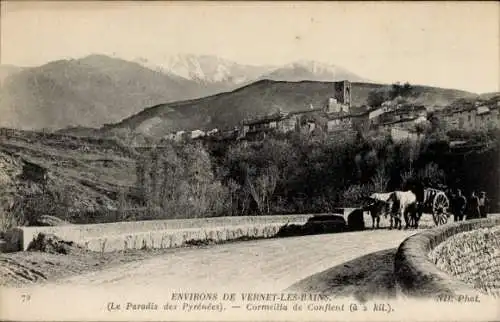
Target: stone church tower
340, 101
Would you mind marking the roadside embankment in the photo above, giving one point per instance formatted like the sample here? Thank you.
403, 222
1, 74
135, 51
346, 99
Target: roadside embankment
157, 233
419, 275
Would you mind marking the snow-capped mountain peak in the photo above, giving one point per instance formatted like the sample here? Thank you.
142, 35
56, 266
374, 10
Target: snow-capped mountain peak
312, 70
205, 68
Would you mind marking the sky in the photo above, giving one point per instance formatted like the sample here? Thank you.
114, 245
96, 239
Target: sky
447, 44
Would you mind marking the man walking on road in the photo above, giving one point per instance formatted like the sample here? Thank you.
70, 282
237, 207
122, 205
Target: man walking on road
459, 203
483, 203
473, 207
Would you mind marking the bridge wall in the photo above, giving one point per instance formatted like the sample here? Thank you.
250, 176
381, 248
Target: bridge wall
156, 233
416, 273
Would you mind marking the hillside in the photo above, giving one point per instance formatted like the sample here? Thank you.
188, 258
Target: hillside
260, 98
487, 96
86, 92
7, 70
86, 174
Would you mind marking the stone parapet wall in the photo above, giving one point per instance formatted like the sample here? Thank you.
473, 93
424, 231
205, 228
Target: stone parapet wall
472, 257
156, 233
418, 276
180, 237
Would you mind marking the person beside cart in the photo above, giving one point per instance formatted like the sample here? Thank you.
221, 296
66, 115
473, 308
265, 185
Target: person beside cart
459, 206
473, 207
483, 204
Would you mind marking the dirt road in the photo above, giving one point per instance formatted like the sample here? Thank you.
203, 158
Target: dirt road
264, 265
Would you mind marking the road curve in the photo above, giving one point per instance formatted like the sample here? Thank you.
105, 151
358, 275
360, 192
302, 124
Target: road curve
263, 265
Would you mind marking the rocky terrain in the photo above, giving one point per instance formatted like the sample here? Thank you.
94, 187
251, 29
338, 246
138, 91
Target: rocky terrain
24, 268
64, 174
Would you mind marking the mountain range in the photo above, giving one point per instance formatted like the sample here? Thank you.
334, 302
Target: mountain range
208, 70
86, 92
98, 89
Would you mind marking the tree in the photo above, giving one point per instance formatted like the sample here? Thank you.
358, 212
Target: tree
436, 124
431, 175
376, 97
422, 128
233, 189
262, 186
381, 178
122, 204
398, 90
406, 90
407, 178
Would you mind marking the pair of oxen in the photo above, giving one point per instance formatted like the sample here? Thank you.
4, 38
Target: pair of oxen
398, 205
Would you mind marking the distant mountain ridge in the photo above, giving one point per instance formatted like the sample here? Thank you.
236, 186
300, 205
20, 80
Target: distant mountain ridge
89, 92
210, 70
313, 71
207, 69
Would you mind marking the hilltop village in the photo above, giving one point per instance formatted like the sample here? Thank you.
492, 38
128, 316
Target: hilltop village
403, 120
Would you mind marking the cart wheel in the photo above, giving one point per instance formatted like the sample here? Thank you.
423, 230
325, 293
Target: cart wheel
440, 218
440, 209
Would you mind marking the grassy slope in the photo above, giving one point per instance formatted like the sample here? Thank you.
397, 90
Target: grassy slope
260, 98
89, 168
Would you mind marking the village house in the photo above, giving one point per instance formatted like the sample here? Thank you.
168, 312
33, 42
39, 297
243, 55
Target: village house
212, 132
263, 124
398, 135
336, 113
339, 122
197, 134
476, 117
178, 136
375, 115
404, 112
408, 123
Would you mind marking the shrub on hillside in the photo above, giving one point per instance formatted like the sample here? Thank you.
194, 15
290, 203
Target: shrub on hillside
356, 194
9, 219
178, 181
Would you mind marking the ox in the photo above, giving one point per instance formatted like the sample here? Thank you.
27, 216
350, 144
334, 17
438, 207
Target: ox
403, 204
379, 206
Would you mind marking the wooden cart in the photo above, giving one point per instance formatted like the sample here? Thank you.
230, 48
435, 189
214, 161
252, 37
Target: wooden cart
436, 203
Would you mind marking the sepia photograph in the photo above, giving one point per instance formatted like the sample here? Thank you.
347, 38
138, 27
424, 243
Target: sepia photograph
249, 161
